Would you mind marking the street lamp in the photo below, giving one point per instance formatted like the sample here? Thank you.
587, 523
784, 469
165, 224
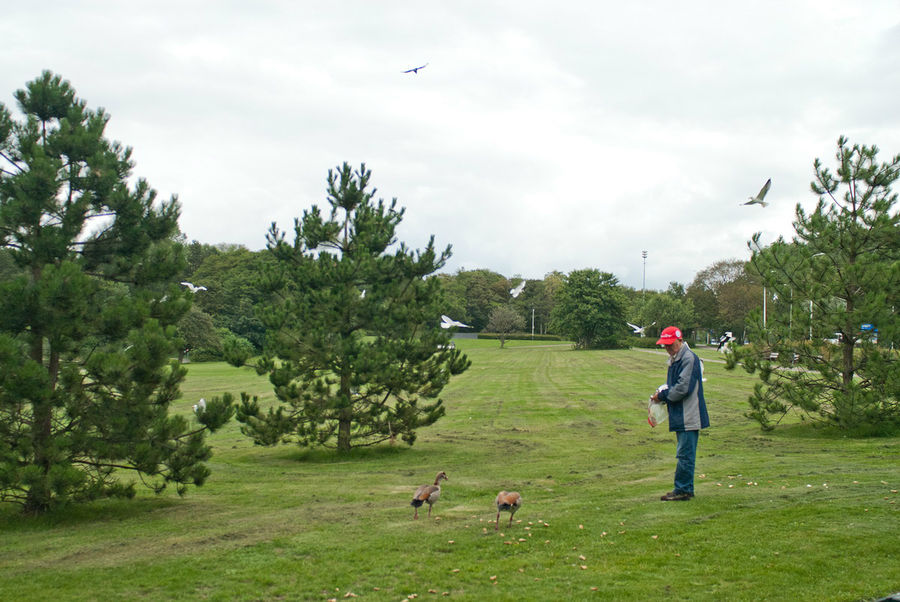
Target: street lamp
765, 298
791, 315
810, 320
811, 301
644, 278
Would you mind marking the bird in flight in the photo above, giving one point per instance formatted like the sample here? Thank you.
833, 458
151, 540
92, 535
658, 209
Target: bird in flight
416, 69
639, 329
193, 287
518, 290
726, 338
758, 199
448, 322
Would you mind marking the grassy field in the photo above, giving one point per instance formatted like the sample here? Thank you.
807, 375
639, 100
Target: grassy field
796, 514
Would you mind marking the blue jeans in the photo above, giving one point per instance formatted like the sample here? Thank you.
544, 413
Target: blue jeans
686, 453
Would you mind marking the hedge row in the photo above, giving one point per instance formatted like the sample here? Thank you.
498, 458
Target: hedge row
520, 336
642, 342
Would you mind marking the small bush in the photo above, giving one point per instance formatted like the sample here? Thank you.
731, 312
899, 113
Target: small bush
205, 354
642, 342
237, 350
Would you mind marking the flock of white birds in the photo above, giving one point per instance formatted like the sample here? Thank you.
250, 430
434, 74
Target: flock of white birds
448, 322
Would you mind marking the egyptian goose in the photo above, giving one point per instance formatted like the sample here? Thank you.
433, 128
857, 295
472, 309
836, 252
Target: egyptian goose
509, 501
428, 494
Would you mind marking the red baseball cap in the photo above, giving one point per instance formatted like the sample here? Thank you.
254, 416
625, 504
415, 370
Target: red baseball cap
669, 335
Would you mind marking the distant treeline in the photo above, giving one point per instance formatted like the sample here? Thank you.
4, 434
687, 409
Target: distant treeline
225, 313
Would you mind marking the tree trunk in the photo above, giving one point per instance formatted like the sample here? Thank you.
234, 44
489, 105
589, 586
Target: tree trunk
345, 416
847, 367
344, 430
38, 498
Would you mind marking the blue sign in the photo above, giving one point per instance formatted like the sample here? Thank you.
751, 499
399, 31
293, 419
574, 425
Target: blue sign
866, 327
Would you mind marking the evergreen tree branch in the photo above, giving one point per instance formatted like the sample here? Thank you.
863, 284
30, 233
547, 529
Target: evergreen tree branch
12, 161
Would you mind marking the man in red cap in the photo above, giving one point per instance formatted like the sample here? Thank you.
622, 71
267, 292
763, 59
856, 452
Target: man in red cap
687, 408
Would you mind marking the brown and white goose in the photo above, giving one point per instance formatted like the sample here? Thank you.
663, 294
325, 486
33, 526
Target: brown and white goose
508, 501
428, 494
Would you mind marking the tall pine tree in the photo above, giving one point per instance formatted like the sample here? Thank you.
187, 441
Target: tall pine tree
827, 345
356, 354
87, 322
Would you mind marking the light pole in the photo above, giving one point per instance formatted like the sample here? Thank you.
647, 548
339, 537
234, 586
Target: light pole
811, 301
644, 278
791, 316
765, 295
810, 319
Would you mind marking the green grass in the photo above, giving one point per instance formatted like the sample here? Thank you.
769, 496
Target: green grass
795, 514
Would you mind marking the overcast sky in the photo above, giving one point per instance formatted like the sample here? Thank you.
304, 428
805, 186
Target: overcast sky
541, 135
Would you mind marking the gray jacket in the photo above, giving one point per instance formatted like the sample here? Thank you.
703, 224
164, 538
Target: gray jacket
684, 397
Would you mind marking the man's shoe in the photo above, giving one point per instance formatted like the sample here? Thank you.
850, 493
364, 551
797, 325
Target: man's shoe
676, 496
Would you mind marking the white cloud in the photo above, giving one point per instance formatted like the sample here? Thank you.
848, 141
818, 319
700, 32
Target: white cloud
539, 137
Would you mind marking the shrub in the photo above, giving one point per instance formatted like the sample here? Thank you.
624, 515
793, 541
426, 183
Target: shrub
642, 342
237, 350
519, 336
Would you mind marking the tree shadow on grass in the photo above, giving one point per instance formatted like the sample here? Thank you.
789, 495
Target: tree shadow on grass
101, 511
811, 430
357, 454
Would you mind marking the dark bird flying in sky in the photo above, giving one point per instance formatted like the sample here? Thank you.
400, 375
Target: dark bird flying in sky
416, 69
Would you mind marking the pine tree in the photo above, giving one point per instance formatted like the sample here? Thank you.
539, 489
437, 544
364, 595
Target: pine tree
87, 323
355, 352
826, 346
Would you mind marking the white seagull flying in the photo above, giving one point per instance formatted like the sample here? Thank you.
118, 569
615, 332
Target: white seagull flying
448, 322
515, 292
639, 329
723, 342
193, 287
758, 199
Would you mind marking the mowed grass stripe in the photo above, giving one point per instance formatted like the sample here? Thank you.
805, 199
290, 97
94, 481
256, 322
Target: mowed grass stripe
568, 430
